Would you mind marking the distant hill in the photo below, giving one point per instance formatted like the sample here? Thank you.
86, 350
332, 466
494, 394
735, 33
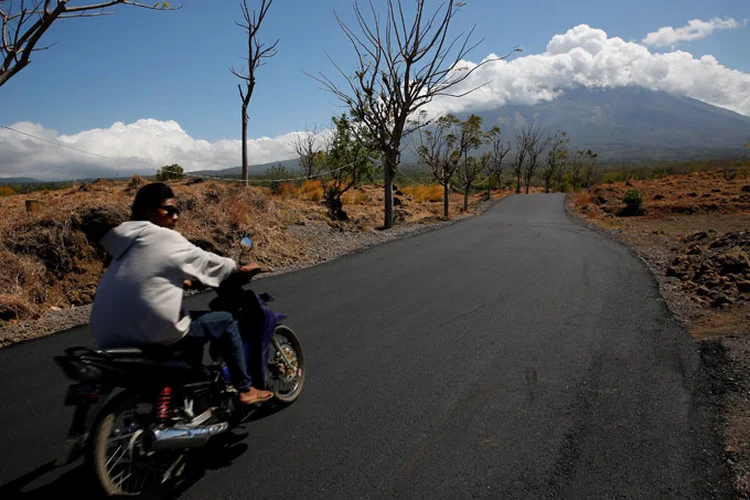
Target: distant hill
17, 180
234, 172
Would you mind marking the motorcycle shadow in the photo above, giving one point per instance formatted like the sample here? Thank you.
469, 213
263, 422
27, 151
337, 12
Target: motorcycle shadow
47, 481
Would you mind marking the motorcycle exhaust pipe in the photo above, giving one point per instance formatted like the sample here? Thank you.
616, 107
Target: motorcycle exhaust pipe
182, 439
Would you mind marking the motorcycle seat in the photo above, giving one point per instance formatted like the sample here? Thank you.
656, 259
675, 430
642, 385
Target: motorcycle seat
192, 354
123, 351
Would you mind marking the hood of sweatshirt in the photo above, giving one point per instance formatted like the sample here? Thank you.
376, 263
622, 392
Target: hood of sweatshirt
119, 239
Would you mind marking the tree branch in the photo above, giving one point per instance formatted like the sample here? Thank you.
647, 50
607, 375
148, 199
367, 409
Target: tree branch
19, 40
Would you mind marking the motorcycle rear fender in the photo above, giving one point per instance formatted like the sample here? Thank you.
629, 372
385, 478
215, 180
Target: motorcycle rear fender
88, 406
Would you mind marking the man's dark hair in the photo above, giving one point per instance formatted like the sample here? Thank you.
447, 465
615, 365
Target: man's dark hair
148, 198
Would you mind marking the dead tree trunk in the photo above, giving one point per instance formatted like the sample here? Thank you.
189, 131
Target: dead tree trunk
405, 60
256, 53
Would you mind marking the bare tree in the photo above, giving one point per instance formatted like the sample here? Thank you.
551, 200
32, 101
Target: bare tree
256, 53
589, 167
402, 65
556, 158
536, 143
305, 145
520, 158
24, 23
576, 167
437, 150
469, 171
499, 151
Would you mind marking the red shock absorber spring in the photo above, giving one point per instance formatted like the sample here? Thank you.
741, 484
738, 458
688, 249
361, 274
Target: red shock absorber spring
162, 405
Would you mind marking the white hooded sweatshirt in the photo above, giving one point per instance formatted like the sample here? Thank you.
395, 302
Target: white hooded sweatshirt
139, 298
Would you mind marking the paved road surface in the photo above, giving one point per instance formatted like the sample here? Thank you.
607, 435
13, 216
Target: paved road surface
511, 355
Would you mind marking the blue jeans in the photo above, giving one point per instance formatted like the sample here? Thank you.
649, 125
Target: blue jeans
222, 330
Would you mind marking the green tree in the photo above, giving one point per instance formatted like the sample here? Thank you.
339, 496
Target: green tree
437, 150
348, 157
470, 137
170, 172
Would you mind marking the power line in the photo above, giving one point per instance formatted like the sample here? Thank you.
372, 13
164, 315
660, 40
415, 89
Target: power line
62, 144
292, 179
56, 143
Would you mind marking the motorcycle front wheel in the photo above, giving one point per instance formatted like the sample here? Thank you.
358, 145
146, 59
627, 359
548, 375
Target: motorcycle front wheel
286, 365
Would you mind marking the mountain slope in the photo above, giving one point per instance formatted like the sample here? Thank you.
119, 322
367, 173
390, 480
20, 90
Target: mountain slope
634, 124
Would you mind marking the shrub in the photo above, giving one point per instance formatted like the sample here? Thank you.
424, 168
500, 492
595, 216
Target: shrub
633, 199
729, 174
277, 174
6, 191
135, 183
168, 172
633, 202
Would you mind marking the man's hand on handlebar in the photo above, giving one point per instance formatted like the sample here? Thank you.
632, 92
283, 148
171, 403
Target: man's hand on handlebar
246, 271
250, 270
192, 285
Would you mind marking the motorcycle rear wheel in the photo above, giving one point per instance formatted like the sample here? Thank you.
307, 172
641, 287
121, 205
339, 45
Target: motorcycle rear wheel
121, 464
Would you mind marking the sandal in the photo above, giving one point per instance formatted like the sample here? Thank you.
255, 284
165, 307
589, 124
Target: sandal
254, 396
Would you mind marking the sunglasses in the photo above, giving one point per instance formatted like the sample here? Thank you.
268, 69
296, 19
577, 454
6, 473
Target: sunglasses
171, 211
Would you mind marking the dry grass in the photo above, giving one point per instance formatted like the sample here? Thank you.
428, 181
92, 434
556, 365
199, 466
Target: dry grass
354, 197
51, 258
422, 193
310, 191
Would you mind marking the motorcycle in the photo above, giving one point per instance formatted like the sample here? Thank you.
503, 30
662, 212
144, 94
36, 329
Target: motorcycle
139, 412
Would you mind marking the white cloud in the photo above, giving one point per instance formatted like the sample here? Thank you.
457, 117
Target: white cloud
124, 149
588, 57
694, 30
581, 57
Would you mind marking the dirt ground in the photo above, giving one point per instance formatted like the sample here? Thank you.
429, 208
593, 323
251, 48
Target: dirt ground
694, 236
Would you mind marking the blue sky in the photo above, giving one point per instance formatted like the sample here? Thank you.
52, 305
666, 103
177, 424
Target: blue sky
140, 64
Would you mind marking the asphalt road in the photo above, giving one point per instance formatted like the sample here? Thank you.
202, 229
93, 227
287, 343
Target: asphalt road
512, 355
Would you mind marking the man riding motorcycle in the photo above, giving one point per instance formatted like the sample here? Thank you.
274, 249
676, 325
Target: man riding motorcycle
139, 299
